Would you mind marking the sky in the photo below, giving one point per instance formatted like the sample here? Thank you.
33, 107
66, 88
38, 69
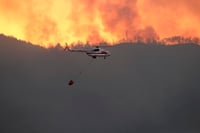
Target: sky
48, 22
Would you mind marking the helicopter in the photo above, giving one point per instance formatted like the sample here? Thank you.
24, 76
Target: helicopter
94, 52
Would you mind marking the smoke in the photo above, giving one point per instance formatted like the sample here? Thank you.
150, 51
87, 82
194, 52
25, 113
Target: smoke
171, 18
140, 89
48, 22
119, 17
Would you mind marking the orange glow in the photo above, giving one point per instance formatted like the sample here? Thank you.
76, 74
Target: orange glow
48, 22
170, 18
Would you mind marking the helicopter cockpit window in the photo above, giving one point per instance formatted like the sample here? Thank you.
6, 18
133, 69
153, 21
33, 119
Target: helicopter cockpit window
96, 49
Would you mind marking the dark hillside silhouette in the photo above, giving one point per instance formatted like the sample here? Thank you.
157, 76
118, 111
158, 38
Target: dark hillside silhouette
140, 88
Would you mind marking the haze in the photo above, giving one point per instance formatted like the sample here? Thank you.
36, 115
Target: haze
140, 88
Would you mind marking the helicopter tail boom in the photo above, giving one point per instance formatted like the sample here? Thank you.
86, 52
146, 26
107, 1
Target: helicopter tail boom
72, 50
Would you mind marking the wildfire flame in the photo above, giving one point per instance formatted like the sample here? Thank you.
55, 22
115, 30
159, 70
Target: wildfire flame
48, 22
